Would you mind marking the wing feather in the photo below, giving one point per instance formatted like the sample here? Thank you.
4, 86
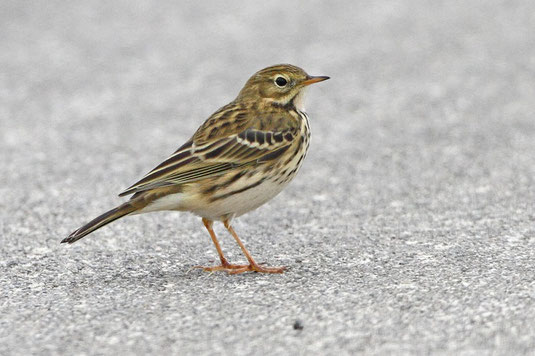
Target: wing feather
191, 163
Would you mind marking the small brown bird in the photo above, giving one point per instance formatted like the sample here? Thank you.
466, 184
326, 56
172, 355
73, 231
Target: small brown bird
241, 157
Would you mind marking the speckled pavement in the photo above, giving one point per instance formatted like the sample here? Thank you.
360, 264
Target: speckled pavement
409, 230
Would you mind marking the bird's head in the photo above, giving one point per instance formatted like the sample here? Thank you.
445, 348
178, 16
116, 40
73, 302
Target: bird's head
281, 84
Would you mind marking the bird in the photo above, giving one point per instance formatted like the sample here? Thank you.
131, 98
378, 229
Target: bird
242, 156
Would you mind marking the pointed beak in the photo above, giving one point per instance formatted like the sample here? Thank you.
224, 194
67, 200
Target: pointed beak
316, 79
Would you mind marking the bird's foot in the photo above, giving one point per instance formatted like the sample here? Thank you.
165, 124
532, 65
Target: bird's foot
227, 267
237, 269
257, 268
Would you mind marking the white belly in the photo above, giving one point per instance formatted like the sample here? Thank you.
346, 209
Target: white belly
227, 203
239, 203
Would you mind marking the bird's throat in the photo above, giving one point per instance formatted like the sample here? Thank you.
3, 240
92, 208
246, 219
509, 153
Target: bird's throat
299, 100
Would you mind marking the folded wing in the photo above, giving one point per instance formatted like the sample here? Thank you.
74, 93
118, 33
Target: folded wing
193, 162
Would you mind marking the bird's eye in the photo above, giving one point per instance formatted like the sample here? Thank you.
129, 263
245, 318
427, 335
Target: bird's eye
281, 81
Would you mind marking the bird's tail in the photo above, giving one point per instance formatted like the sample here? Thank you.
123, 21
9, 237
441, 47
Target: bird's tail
100, 221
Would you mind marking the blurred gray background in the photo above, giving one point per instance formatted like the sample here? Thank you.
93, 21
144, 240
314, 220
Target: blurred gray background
409, 230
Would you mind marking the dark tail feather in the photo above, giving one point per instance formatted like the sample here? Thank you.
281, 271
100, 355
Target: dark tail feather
100, 221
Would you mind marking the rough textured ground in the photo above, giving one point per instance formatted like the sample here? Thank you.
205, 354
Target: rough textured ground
410, 228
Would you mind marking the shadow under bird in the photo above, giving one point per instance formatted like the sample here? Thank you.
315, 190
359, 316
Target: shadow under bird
241, 157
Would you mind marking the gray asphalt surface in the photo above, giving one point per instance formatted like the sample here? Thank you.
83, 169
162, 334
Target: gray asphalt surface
409, 230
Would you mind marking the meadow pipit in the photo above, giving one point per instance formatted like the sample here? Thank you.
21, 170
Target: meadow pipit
241, 157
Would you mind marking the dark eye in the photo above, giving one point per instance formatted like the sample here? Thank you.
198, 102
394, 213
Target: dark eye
280, 81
